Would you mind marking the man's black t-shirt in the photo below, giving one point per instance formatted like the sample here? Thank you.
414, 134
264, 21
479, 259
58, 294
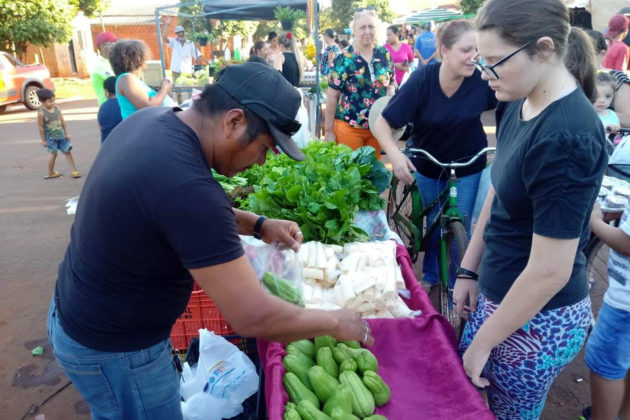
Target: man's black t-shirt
447, 127
546, 173
149, 211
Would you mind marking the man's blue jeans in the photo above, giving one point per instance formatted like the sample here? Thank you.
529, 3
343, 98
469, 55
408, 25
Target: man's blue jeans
127, 386
430, 188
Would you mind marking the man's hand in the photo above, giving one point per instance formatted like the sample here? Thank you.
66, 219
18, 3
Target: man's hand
168, 20
352, 327
44, 144
282, 231
475, 359
167, 85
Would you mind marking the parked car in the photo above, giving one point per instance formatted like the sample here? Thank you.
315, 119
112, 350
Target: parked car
19, 82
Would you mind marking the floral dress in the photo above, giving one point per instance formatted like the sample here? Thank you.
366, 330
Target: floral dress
360, 83
324, 65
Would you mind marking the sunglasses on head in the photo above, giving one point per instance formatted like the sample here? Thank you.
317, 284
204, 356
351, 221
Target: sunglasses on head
363, 9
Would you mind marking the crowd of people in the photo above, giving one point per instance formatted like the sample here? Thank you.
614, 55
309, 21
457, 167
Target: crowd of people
144, 231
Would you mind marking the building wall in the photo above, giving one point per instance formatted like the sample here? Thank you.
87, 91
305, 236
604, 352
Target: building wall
148, 34
57, 58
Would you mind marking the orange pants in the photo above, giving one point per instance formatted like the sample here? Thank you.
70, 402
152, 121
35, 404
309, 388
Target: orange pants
355, 137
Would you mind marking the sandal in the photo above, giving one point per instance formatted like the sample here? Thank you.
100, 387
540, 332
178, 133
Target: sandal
53, 175
76, 174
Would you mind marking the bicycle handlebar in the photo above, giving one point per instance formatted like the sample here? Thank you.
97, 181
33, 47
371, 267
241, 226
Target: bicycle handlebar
452, 165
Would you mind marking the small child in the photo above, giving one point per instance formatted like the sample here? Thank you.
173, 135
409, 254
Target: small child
605, 92
54, 133
608, 347
109, 113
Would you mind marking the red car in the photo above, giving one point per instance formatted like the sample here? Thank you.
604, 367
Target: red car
19, 82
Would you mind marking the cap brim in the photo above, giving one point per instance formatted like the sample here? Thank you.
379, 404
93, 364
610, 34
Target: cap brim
286, 143
376, 110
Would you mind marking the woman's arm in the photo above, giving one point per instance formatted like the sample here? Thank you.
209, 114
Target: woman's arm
131, 88
466, 290
547, 271
332, 98
331, 59
622, 104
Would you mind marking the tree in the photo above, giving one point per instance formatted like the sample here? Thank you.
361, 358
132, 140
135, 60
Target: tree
90, 7
339, 16
37, 22
470, 6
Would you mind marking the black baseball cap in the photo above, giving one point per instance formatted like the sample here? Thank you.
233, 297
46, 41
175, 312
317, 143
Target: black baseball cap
264, 91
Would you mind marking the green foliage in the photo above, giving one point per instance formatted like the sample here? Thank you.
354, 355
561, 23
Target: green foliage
263, 29
90, 7
289, 14
339, 16
322, 193
470, 6
38, 22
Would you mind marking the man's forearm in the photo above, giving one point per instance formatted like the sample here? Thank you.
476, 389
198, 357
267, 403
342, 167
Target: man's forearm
245, 221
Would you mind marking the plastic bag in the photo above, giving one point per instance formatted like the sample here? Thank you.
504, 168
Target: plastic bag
278, 267
224, 373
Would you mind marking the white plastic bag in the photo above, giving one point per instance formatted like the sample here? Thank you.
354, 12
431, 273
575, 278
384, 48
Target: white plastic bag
223, 373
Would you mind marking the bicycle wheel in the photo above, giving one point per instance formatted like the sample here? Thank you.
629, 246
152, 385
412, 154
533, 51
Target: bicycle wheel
403, 217
596, 253
456, 241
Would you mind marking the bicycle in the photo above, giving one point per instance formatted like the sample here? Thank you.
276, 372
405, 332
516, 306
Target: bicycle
406, 215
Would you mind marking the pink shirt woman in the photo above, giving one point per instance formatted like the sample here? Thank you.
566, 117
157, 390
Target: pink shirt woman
400, 52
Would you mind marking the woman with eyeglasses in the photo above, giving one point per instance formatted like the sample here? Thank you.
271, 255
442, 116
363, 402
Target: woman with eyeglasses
360, 75
522, 283
444, 101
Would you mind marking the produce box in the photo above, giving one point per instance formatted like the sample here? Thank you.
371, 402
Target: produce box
417, 358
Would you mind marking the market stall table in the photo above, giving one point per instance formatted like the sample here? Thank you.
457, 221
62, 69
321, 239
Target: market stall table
417, 359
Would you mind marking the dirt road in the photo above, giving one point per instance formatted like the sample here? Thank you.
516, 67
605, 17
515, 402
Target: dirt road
34, 228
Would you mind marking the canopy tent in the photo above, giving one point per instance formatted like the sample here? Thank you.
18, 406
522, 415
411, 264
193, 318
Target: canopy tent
248, 10
435, 15
244, 10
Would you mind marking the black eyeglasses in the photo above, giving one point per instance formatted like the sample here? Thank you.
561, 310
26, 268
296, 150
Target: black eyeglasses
489, 70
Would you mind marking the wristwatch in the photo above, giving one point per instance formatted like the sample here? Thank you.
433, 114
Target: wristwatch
467, 273
257, 227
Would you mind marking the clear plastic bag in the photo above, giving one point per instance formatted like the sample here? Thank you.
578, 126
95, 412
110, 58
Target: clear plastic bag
278, 267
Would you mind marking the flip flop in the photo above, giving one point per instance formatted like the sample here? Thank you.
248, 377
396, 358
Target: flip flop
76, 174
53, 175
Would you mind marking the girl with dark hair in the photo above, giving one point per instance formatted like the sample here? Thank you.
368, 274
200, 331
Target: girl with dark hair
445, 102
399, 51
522, 282
129, 59
260, 49
331, 51
600, 45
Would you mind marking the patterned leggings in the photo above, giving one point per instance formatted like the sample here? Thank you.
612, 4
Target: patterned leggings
522, 368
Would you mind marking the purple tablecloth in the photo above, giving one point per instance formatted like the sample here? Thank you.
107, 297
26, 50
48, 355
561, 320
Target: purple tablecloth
417, 358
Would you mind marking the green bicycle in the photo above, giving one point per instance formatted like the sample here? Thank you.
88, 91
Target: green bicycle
406, 215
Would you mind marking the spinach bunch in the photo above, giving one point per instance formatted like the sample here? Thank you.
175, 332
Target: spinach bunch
322, 193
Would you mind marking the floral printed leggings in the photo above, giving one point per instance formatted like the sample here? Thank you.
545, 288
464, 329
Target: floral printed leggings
522, 368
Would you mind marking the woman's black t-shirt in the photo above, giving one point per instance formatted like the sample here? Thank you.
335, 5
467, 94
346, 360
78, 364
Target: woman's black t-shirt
447, 127
291, 69
546, 173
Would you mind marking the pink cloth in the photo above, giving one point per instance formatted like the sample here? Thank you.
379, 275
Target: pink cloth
404, 53
417, 358
616, 56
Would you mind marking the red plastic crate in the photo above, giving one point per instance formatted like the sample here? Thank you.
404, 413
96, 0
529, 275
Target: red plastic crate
201, 312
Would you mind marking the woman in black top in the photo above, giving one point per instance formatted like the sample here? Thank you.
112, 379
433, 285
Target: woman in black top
530, 307
291, 69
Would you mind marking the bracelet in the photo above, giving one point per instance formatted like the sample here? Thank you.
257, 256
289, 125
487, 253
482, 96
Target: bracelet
257, 227
467, 273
